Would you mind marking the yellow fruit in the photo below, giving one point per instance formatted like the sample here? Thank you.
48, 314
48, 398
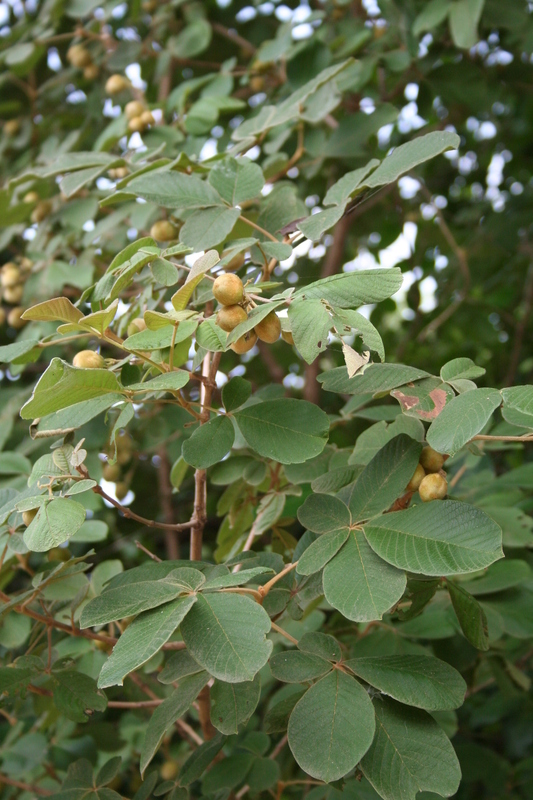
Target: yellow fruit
11, 127
91, 72
111, 472
13, 294
433, 487
269, 329
29, 516
121, 490
163, 231
41, 211
168, 770
136, 125
244, 343
136, 326
14, 318
287, 337
10, 275
25, 264
88, 359
228, 289
116, 84
134, 109
78, 56
102, 646
431, 460
147, 118
235, 264
59, 554
230, 316
118, 173
416, 480
31, 197
257, 83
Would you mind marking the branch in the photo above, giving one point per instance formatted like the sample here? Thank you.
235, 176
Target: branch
264, 590
165, 495
25, 786
150, 523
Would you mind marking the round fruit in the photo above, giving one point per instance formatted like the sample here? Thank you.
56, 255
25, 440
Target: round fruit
41, 211
88, 359
136, 125
29, 516
118, 173
10, 275
78, 56
31, 197
121, 490
116, 84
136, 326
230, 316
417, 478
168, 770
147, 118
111, 472
431, 460
14, 318
269, 329
235, 263
26, 264
257, 83
59, 554
163, 231
134, 109
287, 337
228, 289
244, 343
11, 127
433, 487
13, 294
90, 73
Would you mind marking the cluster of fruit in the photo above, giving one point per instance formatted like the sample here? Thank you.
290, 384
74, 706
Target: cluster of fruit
80, 58
12, 279
139, 117
228, 289
114, 473
429, 479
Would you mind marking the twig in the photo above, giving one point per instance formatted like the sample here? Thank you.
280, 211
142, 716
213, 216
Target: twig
150, 523
264, 590
134, 703
259, 228
148, 553
234, 37
283, 633
182, 726
25, 786
528, 437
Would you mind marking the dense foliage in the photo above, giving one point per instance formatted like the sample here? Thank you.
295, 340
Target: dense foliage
265, 423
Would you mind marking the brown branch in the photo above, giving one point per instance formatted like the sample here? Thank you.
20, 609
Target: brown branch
25, 786
234, 37
150, 523
183, 727
165, 495
521, 328
134, 704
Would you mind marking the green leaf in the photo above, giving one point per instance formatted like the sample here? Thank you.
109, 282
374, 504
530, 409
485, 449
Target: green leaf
192, 40
237, 181
235, 393
289, 431
407, 156
346, 319
178, 666
410, 753
471, 616
518, 405
461, 369
211, 337
384, 479
58, 308
62, 385
264, 774
56, 521
421, 681
324, 514
499, 576
227, 773
320, 644
225, 633
319, 552
424, 399
143, 639
235, 578
461, 419
314, 226
9, 352
464, 18
209, 443
348, 290
168, 712
376, 378
345, 187
175, 190
359, 584
168, 382
432, 14
202, 265
293, 666
14, 464
200, 759
209, 227
443, 537
331, 727
13, 679
310, 324
139, 595
77, 696
232, 704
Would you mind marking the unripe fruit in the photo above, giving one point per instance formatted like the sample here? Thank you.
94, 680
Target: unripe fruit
11, 127
116, 84
269, 329
88, 359
235, 264
228, 289
111, 472
136, 125
287, 337
29, 516
147, 118
134, 109
168, 770
13, 294
91, 72
121, 490
136, 326
14, 318
433, 487
163, 231
25, 264
31, 197
230, 316
59, 554
78, 56
118, 173
41, 211
431, 460
418, 475
10, 275
244, 343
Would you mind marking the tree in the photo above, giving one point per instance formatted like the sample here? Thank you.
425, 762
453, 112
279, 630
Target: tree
264, 497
